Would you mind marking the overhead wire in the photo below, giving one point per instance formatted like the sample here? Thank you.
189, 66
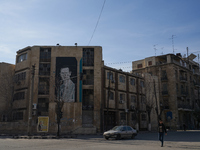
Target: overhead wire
97, 22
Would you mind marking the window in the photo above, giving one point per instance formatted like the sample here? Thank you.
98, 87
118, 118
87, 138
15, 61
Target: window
45, 54
19, 96
88, 77
110, 74
139, 66
176, 74
122, 116
132, 81
144, 117
133, 99
43, 105
22, 57
122, 96
111, 96
142, 83
133, 116
129, 128
44, 69
43, 88
88, 56
122, 79
20, 76
18, 116
149, 63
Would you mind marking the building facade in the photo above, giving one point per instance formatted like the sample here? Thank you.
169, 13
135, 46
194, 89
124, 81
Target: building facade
6, 91
124, 100
179, 87
47, 74
91, 97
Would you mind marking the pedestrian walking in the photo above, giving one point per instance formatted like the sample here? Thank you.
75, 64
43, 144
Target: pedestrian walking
162, 131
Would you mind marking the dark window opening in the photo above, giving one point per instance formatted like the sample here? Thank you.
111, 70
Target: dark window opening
132, 81
88, 99
43, 105
19, 96
122, 116
122, 79
44, 69
43, 88
88, 77
88, 56
18, 116
139, 66
144, 117
20, 76
45, 54
150, 63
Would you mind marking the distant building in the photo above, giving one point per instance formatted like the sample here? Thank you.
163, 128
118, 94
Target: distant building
6, 91
179, 87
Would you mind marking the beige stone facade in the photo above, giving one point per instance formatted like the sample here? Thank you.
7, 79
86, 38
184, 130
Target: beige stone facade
95, 97
84, 64
124, 101
6, 90
178, 82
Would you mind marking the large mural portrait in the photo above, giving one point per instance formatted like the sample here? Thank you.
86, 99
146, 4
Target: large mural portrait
66, 73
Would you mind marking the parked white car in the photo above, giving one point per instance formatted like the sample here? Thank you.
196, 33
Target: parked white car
119, 132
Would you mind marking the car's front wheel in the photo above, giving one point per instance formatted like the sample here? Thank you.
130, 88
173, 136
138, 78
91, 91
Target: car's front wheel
106, 138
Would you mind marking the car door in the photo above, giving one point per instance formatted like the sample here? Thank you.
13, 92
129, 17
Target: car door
129, 132
123, 132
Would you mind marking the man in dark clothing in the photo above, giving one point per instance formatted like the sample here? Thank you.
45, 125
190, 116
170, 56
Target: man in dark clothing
161, 130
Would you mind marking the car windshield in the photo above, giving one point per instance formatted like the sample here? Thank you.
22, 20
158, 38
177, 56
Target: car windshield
117, 128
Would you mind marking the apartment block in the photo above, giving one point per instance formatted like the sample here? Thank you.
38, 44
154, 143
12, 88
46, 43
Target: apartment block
178, 80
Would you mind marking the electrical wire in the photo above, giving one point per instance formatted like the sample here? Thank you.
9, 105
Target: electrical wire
97, 22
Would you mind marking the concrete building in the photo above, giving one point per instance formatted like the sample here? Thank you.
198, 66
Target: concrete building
41, 71
6, 91
125, 100
93, 97
179, 87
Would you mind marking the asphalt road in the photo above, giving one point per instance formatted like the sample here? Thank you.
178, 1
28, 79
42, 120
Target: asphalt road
144, 141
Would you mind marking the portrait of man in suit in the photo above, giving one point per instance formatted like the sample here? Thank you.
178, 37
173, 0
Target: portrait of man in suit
67, 87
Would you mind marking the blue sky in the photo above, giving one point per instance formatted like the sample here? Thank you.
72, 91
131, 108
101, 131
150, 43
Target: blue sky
127, 29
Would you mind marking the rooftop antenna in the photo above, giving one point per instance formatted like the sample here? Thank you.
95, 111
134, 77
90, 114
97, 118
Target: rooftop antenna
155, 48
173, 36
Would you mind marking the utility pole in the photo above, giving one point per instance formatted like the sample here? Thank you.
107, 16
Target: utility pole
108, 101
31, 101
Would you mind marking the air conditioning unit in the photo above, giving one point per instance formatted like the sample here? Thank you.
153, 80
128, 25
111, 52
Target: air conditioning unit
121, 102
34, 106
